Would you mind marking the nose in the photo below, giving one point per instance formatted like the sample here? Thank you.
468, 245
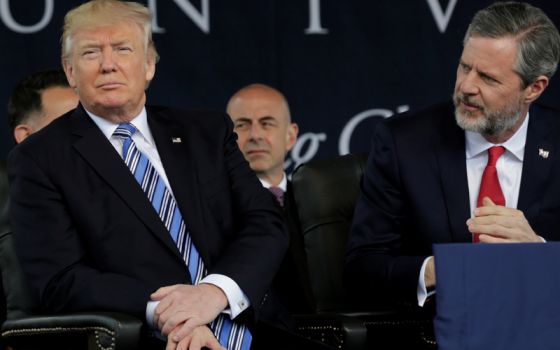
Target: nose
255, 132
107, 61
468, 84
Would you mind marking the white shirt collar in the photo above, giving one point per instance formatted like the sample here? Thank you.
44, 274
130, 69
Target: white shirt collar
476, 143
283, 184
140, 122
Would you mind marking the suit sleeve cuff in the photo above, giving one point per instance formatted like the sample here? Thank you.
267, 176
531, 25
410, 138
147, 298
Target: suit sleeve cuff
237, 300
421, 291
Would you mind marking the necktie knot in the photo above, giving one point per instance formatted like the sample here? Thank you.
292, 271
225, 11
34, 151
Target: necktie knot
278, 193
494, 153
125, 131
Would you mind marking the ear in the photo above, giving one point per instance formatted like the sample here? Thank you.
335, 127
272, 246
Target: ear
150, 66
535, 89
291, 136
69, 71
21, 132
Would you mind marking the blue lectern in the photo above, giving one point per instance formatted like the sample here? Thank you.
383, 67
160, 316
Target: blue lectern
498, 296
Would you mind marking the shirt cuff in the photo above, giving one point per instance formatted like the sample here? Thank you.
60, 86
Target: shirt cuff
237, 300
150, 310
421, 291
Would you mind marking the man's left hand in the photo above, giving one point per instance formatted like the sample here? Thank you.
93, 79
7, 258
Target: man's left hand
191, 306
498, 224
200, 338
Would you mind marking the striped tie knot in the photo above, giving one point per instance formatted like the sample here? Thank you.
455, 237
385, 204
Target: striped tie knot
125, 131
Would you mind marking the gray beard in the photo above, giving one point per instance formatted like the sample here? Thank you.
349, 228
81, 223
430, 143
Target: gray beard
494, 123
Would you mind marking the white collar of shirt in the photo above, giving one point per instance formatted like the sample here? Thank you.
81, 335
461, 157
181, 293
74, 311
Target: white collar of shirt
140, 122
142, 138
476, 143
283, 184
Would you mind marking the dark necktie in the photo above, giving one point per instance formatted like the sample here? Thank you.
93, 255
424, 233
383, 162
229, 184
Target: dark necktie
278, 193
490, 184
230, 334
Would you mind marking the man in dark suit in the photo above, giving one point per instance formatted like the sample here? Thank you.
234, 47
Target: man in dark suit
117, 204
263, 123
491, 175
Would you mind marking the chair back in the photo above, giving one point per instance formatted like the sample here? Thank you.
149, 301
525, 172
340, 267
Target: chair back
325, 192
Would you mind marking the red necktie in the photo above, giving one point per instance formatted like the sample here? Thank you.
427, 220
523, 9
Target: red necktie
490, 184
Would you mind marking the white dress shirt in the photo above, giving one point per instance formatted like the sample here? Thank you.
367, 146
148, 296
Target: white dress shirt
144, 141
283, 183
509, 167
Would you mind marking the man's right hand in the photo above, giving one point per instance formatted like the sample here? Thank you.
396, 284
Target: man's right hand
184, 307
200, 337
430, 273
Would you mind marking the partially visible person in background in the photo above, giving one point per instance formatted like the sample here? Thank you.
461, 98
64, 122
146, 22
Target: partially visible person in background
37, 100
265, 135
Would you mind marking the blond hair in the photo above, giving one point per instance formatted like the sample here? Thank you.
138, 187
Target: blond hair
97, 13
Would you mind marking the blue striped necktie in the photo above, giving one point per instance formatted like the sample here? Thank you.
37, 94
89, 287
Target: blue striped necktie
231, 335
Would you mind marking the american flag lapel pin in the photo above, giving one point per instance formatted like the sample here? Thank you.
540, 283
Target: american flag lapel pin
176, 140
543, 153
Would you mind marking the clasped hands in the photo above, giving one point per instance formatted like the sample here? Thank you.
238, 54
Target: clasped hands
183, 313
499, 224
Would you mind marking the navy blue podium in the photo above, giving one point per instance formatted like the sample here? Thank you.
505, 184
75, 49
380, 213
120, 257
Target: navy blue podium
498, 296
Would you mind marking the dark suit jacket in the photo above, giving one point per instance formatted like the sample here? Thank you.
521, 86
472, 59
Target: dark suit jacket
292, 280
88, 237
415, 193
4, 199
4, 227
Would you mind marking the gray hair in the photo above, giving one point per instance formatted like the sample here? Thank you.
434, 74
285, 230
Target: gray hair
538, 50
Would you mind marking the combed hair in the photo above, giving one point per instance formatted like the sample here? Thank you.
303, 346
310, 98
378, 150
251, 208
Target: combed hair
538, 50
25, 101
96, 13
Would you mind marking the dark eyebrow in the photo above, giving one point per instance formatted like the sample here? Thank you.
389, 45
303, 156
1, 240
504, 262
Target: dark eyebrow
487, 75
243, 119
267, 119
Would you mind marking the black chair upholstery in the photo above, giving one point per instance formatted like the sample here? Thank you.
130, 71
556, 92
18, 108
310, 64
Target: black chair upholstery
325, 192
24, 329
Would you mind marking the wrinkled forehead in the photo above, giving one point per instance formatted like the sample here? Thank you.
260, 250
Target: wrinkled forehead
118, 32
490, 53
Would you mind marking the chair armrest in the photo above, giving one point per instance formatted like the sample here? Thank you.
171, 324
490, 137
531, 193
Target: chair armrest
333, 329
101, 330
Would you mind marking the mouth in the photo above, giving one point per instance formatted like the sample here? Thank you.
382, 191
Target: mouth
110, 85
256, 152
467, 105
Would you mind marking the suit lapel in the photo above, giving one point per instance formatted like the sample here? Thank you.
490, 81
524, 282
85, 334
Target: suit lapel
536, 168
175, 147
96, 150
451, 157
